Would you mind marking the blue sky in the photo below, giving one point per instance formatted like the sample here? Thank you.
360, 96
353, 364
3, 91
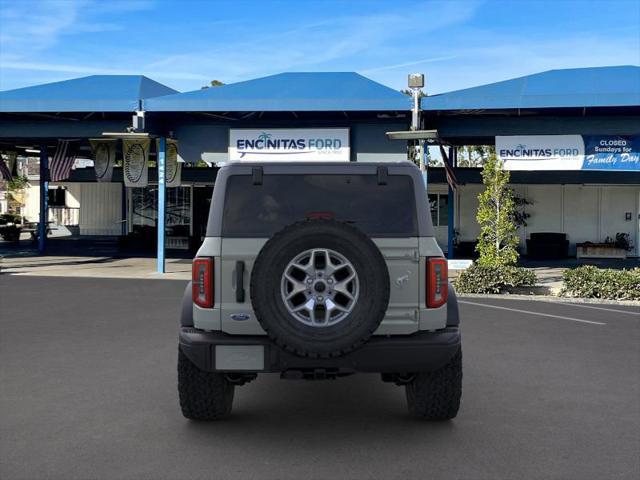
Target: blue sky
184, 44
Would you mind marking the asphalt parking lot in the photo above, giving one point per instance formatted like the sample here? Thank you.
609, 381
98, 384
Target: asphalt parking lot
88, 390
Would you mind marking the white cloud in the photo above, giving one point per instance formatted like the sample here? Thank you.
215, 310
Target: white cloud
408, 64
314, 46
499, 58
352, 42
436, 37
89, 70
41, 29
31, 27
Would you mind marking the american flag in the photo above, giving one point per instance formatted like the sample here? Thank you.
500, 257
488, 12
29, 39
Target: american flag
62, 161
448, 169
4, 170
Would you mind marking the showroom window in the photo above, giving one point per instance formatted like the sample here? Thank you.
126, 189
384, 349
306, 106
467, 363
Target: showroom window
144, 214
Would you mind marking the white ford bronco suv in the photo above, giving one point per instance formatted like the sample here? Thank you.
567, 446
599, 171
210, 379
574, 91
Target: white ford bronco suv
316, 271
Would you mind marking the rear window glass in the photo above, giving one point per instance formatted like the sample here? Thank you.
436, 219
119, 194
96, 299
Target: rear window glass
262, 210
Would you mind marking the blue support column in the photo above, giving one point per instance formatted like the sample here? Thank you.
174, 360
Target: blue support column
162, 190
44, 199
453, 154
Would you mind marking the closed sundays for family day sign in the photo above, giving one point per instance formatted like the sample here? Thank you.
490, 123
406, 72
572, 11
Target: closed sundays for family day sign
290, 144
611, 153
569, 152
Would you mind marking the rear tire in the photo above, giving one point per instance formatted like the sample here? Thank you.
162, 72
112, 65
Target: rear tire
436, 395
203, 395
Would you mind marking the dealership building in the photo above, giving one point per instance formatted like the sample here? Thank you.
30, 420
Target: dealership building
570, 137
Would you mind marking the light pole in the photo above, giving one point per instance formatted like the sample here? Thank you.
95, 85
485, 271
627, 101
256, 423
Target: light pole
416, 83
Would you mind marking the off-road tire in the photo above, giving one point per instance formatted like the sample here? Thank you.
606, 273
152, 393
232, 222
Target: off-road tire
436, 395
203, 395
334, 340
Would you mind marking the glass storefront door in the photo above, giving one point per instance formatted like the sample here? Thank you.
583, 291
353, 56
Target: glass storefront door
143, 215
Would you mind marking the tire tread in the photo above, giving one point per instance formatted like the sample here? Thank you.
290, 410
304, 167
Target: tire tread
203, 395
436, 395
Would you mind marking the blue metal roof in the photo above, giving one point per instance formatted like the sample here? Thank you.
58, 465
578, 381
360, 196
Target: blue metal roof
96, 93
306, 91
577, 87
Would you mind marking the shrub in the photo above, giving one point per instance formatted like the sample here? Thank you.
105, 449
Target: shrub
592, 282
493, 279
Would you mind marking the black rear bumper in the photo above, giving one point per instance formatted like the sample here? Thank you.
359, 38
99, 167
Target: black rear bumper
419, 352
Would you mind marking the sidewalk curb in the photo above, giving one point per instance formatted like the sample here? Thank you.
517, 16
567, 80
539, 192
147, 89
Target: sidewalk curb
535, 290
551, 299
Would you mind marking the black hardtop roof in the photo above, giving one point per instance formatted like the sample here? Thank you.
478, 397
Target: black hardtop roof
405, 163
214, 227
404, 167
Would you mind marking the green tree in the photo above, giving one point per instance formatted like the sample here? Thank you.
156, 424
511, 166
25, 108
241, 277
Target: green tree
213, 83
429, 160
408, 92
15, 194
474, 155
496, 210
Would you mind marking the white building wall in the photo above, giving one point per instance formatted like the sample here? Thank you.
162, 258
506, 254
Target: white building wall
581, 215
546, 210
615, 203
73, 195
583, 212
32, 199
32, 202
100, 208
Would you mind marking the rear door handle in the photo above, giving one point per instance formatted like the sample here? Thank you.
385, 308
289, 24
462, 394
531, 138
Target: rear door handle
240, 281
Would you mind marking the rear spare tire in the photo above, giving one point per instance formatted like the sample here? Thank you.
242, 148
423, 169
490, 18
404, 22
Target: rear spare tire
320, 288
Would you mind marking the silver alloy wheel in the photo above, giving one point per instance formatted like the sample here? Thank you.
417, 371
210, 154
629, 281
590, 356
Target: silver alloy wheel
319, 287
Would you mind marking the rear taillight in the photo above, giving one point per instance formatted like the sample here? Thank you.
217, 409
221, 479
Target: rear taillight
202, 282
437, 282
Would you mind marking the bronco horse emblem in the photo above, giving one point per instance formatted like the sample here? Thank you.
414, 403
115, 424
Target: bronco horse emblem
400, 281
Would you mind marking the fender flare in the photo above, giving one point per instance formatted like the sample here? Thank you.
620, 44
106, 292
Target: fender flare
186, 313
453, 315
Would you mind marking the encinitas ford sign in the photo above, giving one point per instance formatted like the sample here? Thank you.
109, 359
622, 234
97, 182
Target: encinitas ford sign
541, 152
290, 144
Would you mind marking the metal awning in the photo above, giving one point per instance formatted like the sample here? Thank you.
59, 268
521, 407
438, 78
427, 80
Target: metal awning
95, 93
289, 92
431, 136
617, 86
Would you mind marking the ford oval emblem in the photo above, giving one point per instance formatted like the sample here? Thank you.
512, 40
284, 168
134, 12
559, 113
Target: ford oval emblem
240, 317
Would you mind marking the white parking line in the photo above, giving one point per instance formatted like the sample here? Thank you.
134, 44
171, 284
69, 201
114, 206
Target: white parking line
531, 313
595, 308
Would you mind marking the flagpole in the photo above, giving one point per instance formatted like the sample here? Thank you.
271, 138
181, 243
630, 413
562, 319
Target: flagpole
416, 83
